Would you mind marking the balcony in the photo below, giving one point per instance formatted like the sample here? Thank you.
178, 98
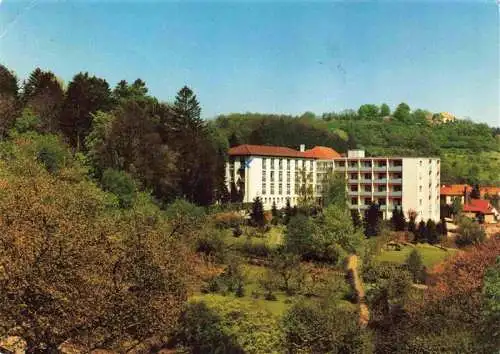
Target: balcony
353, 180
380, 180
365, 168
365, 181
395, 194
352, 168
353, 193
380, 194
364, 206
395, 168
395, 180
365, 193
380, 168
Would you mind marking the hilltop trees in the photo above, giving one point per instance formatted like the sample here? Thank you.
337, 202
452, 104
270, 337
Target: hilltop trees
9, 94
43, 95
85, 95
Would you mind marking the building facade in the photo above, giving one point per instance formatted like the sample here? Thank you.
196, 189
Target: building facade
278, 174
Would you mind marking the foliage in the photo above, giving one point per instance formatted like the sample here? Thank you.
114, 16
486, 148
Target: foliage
120, 184
415, 266
398, 220
257, 213
184, 217
299, 235
372, 220
223, 325
469, 232
491, 307
313, 327
335, 191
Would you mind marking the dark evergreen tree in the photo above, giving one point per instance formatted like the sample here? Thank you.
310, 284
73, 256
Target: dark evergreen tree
234, 193
475, 193
421, 234
257, 214
356, 218
432, 234
444, 227
288, 212
85, 95
398, 220
274, 213
9, 103
412, 226
415, 266
372, 220
44, 96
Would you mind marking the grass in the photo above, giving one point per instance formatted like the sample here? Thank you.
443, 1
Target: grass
273, 238
431, 255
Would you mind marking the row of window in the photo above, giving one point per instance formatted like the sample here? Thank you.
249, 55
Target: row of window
288, 162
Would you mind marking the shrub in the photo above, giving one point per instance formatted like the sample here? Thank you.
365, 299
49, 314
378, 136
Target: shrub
228, 220
256, 249
469, 233
121, 184
237, 231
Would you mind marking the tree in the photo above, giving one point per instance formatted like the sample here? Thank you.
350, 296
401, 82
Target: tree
432, 234
385, 111
475, 192
398, 219
85, 95
9, 104
456, 206
415, 265
490, 326
288, 270
372, 220
469, 233
43, 95
412, 227
421, 235
334, 190
319, 327
402, 112
274, 213
288, 212
356, 218
257, 214
299, 236
369, 111
120, 184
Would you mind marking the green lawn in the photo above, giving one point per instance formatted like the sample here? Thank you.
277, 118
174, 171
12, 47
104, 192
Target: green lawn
431, 255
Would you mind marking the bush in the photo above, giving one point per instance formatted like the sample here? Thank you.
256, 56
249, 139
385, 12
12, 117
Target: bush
255, 249
121, 184
383, 270
469, 233
314, 327
228, 220
237, 231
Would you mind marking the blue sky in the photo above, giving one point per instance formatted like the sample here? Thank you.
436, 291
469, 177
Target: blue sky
275, 57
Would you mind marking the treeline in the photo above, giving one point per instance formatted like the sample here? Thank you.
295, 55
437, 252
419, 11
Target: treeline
167, 148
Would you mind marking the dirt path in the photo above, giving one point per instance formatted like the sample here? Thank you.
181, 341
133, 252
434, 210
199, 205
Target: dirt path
364, 313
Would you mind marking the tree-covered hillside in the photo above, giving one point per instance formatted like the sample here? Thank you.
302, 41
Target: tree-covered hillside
470, 152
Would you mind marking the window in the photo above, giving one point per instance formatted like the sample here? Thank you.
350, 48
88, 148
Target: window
288, 188
303, 163
341, 163
263, 188
280, 176
368, 176
280, 163
288, 164
264, 163
311, 164
420, 188
368, 188
272, 176
280, 188
272, 189
354, 201
368, 201
354, 188
263, 176
420, 202
272, 164
354, 176
381, 188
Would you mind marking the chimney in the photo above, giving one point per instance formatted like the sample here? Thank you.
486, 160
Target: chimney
302, 147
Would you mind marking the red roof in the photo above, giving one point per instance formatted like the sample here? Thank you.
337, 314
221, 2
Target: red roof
491, 191
478, 206
322, 153
454, 189
264, 150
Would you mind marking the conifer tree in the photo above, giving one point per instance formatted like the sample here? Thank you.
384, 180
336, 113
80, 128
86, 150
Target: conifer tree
288, 212
356, 218
372, 220
432, 232
257, 214
274, 213
421, 234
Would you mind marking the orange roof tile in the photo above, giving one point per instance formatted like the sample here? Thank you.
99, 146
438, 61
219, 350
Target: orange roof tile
478, 206
322, 153
264, 150
454, 189
489, 190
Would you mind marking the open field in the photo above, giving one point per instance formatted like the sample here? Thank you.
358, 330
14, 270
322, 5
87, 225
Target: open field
431, 255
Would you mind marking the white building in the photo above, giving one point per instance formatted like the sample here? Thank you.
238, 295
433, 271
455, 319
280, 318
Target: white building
274, 173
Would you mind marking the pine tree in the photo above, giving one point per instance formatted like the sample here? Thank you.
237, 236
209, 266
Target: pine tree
412, 226
444, 227
288, 212
421, 234
398, 220
274, 213
372, 220
432, 235
257, 214
475, 192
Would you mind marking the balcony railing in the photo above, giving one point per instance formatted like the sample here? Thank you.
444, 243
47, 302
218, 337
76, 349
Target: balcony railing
353, 180
380, 180
379, 193
380, 168
366, 168
365, 193
395, 193
366, 181
352, 168
395, 180
354, 193
395, 168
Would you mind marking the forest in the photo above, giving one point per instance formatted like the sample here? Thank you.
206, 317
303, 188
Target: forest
117, 233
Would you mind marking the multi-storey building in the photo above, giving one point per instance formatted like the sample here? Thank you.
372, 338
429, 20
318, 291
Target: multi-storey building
277, 173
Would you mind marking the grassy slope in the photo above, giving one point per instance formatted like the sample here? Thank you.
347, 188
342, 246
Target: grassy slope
431, 255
